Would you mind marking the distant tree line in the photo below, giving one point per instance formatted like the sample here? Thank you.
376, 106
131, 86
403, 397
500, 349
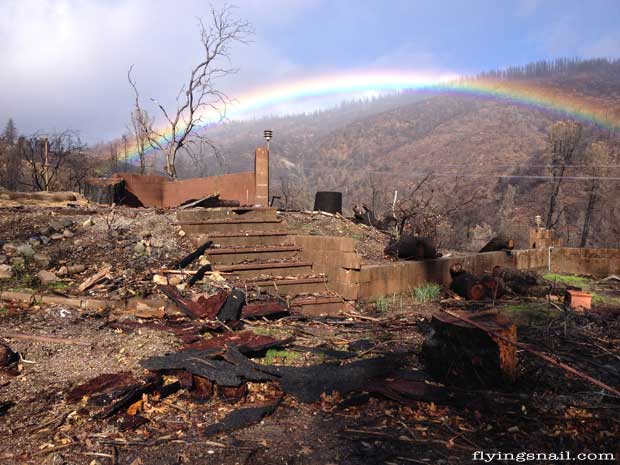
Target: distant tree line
559, 66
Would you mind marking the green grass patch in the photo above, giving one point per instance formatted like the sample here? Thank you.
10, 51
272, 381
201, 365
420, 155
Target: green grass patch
601, 299
569, 280
427, 292
530, 313
3, 309
382, 304
58, 286
281, 357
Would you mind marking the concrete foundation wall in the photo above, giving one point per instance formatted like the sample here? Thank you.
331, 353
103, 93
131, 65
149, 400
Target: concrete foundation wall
336, 257
380, 280
597, 262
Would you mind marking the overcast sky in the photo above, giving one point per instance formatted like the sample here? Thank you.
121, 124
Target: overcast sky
64, 62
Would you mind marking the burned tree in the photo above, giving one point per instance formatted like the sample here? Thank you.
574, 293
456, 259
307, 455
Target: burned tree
597, 157
199, 94
563, 144
47, 156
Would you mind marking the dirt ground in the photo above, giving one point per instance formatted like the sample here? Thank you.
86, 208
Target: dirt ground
546, 410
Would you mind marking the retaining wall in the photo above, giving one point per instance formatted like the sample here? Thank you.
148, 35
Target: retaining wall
336, 257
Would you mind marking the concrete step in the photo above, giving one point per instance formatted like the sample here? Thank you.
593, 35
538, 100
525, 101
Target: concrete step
257, 270
289, 287
229, 226
240, 254
231, 213
320, 305
244, 238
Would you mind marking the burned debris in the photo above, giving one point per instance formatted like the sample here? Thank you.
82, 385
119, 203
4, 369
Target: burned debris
167, 345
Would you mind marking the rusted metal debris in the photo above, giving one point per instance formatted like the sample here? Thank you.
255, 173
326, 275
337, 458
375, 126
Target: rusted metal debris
203, 307
265, 308
245, 341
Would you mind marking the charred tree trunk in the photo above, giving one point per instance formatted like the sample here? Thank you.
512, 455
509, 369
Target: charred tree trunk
588, 219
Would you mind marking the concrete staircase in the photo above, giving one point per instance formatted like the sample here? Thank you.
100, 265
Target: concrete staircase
253, 249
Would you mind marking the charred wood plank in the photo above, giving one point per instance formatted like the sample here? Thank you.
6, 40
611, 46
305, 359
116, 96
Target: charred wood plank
188, 259
241, 418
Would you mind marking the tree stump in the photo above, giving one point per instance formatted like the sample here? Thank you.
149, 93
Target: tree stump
460, 354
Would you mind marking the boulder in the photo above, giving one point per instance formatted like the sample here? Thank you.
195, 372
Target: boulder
47, 277
42, 260
6, 271
26, 250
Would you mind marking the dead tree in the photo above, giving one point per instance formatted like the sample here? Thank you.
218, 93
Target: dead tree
199, 95
597, 156
46, 157
563, 143
140, 121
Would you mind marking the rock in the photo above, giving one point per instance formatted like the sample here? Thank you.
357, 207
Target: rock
75, 269
139, 248
3, 259
42, 260
163, 280
56, 237
6, 271
62, 271
34, 241
26, 250
88, 223
77, 242
181, 233
47, 277
67, 222
44, 240
46, 230
66, 233
9, 248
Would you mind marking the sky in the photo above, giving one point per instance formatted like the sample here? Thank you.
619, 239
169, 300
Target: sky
63, 63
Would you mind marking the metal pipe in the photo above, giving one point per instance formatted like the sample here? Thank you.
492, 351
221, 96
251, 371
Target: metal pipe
550, 249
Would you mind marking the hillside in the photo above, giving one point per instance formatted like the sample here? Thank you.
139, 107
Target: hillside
369, 150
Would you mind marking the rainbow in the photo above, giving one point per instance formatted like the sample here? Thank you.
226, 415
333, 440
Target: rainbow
582, 108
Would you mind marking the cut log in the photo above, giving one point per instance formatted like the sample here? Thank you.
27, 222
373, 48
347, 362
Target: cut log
498, 243
460, 354
412, 248
468, 286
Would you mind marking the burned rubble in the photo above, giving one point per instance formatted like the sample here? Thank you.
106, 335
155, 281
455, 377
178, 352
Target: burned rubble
148, 346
